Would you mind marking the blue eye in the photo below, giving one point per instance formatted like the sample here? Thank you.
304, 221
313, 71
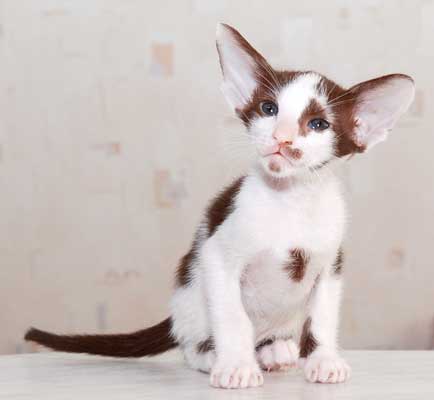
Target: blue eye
269, 108
318, 124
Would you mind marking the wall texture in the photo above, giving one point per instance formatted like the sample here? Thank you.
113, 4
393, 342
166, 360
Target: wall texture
113, 136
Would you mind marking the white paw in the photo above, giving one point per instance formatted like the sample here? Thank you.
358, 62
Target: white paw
279, 355
236, 376
326, 369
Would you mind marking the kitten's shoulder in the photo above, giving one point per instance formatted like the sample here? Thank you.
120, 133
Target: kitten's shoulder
223, 204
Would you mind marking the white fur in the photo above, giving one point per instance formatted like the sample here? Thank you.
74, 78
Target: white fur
240, 293
325, 367
279, 355
296, 95
238, 70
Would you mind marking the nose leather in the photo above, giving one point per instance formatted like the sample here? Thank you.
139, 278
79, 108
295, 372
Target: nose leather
284, 133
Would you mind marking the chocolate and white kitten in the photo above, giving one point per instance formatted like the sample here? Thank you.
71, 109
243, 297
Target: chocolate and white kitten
261, 285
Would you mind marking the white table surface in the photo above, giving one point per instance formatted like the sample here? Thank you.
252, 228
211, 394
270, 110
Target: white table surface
384, 375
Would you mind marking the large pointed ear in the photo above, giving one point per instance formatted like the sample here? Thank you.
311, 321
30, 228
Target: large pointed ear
379, 103
242, 66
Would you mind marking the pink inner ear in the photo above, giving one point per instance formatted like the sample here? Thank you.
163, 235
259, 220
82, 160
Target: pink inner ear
239, 62
379, 105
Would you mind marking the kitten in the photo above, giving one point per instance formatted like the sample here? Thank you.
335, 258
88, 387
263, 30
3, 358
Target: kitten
261, 284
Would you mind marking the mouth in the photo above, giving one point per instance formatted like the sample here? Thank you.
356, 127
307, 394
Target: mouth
280, 160
277, 156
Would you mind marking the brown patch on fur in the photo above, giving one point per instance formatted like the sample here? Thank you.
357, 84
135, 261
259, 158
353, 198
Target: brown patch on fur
338, 264
146, 342
313, 110
291, 152
265, 342
307, 341
222, 206
182, 275
216, 213
340, 102
253, 109
205, 345
269, 83
297, 265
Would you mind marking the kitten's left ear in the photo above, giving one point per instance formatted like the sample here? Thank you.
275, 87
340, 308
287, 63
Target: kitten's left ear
242, 66
379, 103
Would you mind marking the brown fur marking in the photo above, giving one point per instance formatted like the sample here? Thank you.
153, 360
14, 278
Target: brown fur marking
206, 345
146, 342
313, 110
296, 267
222, 206
217, 212
265, 342
182, 276
338, 264
269, 83
307, 341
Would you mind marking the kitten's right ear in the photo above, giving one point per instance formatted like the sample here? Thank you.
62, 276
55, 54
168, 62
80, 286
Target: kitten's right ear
242, 66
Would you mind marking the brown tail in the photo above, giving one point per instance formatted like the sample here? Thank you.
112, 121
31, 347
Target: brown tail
146, 342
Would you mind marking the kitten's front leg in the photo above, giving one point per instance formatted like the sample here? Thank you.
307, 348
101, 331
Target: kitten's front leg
318, 342
235, 365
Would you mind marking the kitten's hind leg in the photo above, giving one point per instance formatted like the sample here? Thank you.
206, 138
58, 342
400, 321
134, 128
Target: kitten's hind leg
277, 354
200, 357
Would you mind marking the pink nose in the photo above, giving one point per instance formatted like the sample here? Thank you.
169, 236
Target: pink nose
283, 136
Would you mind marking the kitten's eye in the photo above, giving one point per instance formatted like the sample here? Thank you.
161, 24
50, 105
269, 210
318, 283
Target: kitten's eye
318, 124
269, 108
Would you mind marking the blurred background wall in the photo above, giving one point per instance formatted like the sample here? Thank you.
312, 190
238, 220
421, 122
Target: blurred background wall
114, 135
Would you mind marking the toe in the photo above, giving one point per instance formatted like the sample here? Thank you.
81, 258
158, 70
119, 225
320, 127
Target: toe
226, 378
244, 381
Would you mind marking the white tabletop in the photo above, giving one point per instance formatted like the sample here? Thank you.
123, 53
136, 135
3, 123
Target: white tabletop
376, 375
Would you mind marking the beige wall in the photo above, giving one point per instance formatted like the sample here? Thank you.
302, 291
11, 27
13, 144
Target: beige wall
113, 136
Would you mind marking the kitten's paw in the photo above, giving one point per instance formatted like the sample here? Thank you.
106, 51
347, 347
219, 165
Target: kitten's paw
279, 355
326, 369
236, 376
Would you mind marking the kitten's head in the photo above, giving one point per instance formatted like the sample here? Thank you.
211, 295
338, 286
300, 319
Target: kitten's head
302, 120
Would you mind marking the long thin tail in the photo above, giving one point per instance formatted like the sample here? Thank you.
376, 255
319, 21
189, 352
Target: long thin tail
146, 342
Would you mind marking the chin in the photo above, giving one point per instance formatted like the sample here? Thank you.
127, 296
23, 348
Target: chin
277, 167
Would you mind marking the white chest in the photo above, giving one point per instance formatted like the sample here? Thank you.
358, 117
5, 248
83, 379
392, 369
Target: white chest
266, 226
308, 216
